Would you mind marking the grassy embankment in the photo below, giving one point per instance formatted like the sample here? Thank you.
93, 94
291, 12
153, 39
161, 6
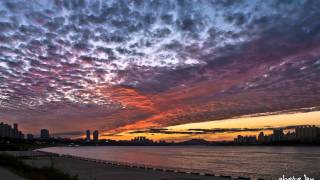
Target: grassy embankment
20, 168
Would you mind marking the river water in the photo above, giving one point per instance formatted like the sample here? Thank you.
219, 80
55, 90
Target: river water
268, 162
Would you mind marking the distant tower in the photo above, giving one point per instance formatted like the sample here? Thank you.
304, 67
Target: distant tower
44, 134
2, 130
6, 129
29, 137
88, 139
96, 135
15, 131
261, 137
278, 134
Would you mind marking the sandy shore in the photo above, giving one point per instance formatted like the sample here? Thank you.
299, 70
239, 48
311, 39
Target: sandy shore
90, 170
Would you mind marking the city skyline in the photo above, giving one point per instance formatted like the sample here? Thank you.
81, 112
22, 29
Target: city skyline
267, 135
223, 130
159, 68
8, 131
295, 134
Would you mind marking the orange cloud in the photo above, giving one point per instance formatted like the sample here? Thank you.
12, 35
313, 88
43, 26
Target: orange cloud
128, 97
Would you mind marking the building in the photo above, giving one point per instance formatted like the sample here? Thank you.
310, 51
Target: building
15, 131
2, 134
261, 137
290, 136
141, 140
245, 139
301, 134
29, 137
6, 128
44, 134
238, 139
20, 135
88, 139
6, 131
96, 135
307, 133
278, 135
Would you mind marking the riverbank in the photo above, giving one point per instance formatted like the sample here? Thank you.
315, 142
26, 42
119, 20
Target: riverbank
8, 175
87, 169
13, 167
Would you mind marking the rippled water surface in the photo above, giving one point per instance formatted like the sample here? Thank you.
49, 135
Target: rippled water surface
258, 161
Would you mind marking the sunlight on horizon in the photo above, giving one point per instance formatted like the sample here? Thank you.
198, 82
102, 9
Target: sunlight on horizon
279, 120
274, 121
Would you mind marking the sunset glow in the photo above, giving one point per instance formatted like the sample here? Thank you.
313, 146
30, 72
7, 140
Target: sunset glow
261, 123
129, 68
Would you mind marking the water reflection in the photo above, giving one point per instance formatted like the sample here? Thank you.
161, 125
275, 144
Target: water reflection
264, 162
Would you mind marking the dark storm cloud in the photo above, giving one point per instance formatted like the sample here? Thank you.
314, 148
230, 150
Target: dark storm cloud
204, 52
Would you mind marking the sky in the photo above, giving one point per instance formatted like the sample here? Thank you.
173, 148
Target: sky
130, 65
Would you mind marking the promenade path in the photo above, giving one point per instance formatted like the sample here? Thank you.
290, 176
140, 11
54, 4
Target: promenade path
88, 170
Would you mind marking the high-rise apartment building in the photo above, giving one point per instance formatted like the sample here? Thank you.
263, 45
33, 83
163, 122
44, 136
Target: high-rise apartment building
6, 131
88, 139
96, 136
44, 134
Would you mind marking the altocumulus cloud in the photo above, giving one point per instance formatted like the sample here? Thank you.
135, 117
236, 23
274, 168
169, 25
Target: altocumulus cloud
131, 64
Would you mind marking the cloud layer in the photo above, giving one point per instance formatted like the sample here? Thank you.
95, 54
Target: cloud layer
119, 65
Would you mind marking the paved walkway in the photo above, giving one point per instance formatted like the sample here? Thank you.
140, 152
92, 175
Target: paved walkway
86, 170
7, 175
